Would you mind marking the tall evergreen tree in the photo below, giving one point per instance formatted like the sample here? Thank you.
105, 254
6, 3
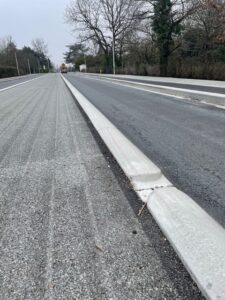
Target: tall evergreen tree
166, 24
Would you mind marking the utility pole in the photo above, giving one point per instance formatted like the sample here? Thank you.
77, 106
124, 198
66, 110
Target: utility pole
85, 62
38, 66
28, 61
48, 66
113, 48
17, 66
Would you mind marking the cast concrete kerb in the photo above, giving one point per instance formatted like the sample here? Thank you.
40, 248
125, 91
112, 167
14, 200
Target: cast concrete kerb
198, 240
143, 174
141, 171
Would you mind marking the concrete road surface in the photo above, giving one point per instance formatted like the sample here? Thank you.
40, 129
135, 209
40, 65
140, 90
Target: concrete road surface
68, 218
185, 139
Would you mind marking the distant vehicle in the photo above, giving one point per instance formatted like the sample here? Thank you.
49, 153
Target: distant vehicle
63, 68
83, 68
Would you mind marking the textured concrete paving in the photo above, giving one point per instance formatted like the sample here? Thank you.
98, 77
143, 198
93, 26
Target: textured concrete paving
185, 139
68, 217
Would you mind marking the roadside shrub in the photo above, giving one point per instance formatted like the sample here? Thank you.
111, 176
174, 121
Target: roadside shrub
6, 71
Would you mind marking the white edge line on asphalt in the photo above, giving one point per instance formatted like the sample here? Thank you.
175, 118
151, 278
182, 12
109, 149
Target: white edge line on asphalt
15, 77
15, 85
117, 82
210, 104
134, 87
193, 82
196, 237
165, 87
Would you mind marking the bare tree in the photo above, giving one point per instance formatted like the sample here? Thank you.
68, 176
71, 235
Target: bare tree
7, 44
40, 46
7, 51
105, 22
210, 20
41, 49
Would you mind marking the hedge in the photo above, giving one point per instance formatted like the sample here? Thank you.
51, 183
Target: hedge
6, 71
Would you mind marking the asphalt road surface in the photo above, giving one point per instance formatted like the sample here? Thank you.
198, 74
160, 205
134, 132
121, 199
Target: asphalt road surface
68, 218
4, 83
194, 87
185, 139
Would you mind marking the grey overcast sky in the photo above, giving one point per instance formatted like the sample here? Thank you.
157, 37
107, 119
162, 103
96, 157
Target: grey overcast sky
26, 20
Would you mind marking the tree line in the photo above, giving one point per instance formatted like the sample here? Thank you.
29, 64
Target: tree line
180, 38
28, 60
